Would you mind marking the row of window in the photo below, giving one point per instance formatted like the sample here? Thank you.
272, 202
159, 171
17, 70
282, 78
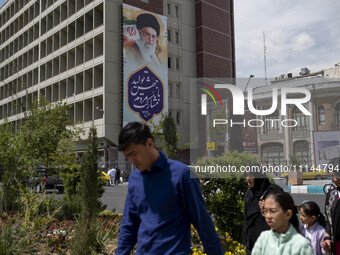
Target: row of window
21, 22
61, 13
88, 21
86, 110
273, 153
173, 36
172, 10
81, 111
301, 119
78, 55
52, 19
21, 42
73, 85
176, 116
177, 88
59, 39
174, 63
21, 62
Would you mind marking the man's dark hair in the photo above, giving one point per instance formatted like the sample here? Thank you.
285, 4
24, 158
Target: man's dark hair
134, 132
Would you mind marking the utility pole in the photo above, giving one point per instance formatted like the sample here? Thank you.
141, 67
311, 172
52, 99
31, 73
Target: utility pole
265, 56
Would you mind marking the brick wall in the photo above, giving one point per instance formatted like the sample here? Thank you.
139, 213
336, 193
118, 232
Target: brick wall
215, 39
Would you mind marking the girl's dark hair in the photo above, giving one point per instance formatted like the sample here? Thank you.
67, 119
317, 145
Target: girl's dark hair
286, 202
311, 208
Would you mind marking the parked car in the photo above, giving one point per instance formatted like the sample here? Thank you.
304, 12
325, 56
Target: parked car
311, 174
47, 179
104, 176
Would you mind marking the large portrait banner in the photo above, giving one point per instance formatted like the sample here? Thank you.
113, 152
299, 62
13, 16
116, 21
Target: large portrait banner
145, 65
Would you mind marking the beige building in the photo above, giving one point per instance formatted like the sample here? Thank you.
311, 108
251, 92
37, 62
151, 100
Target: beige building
71, 51
276, 142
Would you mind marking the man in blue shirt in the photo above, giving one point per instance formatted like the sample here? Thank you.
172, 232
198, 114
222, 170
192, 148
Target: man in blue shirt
162, 201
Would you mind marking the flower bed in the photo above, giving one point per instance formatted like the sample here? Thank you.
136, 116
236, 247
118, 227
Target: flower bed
54, 237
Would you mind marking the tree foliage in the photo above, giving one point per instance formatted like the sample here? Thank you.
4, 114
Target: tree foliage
166, 137
45, 137
294, 160
170, 137
7, 167
223, 194
86, 241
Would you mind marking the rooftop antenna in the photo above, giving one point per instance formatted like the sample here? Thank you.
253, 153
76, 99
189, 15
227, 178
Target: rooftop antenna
265, 56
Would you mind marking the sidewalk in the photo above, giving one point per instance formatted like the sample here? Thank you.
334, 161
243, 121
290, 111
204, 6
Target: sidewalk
308, 186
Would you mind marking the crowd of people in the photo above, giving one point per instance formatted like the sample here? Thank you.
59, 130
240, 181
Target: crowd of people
163, 201
271, 225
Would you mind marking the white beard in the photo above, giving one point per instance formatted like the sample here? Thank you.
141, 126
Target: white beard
147, 51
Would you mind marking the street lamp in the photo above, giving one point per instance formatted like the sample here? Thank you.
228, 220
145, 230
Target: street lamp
251, 76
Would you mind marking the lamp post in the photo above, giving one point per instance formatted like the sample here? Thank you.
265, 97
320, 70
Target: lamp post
251, 76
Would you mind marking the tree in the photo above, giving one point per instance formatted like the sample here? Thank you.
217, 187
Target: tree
166, 137
8, 162
46, 137
170, 137
223, 192
86, 240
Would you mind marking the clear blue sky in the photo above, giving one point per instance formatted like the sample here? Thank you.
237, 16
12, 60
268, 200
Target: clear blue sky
2, 2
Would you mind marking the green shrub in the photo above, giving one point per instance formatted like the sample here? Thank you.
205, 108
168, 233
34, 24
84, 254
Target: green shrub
9, 192
71, 177
6, 241
70, 207
15, 240
224, 193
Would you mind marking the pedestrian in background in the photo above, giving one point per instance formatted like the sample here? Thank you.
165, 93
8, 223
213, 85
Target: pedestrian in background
117, 176
163, 201
254, 223
331, 241
283, 238
112, 174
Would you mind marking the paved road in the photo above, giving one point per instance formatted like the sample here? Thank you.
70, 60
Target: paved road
317, 198
114, 197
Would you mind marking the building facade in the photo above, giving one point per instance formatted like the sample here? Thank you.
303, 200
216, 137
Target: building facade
277, 141
71, 51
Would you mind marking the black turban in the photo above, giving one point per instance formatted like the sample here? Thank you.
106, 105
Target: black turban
147, 20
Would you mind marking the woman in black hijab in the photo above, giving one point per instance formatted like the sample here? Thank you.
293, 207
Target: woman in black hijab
254, 223
332, 210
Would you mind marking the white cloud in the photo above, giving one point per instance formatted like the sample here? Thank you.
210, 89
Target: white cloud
302, 42
298, 34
